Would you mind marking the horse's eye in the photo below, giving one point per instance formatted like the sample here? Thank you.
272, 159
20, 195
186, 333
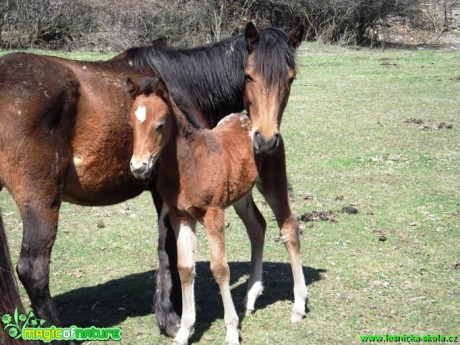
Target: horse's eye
291, 80
247, 77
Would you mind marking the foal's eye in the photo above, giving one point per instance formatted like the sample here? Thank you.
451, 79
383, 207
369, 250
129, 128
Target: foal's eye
160, 127
291, 80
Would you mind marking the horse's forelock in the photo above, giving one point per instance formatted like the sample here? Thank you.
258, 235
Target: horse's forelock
273, 55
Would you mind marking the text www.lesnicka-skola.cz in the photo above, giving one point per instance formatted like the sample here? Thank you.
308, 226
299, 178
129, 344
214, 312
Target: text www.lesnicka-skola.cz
409, 338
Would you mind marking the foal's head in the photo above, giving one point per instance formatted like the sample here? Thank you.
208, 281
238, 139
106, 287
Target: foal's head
150, 118
270, 71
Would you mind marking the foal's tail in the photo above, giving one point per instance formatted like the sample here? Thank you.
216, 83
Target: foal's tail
9, 295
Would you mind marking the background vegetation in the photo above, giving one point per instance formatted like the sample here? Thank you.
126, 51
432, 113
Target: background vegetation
378, 130
117, 24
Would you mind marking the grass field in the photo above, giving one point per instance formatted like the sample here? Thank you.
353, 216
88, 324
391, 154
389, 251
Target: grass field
361, 129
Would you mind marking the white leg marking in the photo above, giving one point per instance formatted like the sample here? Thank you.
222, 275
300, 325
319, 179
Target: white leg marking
186, 243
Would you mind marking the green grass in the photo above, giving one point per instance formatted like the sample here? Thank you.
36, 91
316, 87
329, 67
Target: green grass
346, 136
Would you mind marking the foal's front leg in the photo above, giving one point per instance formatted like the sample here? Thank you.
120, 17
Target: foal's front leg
186, 244
274, 187
214, 222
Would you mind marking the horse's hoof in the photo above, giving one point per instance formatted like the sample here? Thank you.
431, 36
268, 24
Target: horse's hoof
172, 330
295, 317
179, 342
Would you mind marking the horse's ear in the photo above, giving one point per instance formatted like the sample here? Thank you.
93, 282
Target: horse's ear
132, 87
252, 35
296, 35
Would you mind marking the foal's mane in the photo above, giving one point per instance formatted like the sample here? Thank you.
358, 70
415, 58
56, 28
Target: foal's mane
211, 77
180, 105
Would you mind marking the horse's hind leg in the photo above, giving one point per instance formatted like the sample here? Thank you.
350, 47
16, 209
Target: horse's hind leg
274, 187
214, 223
255, 225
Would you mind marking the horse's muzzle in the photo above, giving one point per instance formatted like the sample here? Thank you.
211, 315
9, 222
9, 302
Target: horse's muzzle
265, 146
142, 168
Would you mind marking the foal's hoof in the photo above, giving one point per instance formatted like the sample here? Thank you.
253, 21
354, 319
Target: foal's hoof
245, 312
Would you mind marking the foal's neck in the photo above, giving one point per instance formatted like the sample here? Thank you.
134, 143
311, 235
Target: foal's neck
178, 152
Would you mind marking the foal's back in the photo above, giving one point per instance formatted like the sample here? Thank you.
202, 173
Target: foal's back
223, 169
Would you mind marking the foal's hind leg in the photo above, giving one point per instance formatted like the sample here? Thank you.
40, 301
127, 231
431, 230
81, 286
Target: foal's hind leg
273, 186
214, 222
255, 225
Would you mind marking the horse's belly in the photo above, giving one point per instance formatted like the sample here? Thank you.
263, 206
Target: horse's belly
99, 173
100, 182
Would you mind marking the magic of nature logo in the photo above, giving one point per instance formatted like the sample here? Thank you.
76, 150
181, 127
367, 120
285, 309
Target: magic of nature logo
29, 327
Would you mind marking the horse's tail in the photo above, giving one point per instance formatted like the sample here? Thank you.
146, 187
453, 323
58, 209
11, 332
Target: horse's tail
168, 296
9, 294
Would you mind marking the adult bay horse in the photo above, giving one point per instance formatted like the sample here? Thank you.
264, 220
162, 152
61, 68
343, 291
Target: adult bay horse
64, 136
268, 74
201, 173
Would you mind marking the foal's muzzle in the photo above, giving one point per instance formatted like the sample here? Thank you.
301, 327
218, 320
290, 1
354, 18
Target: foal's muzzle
142, 168
262, 145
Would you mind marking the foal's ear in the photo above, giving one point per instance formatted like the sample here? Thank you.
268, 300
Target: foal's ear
296, 35
132, 87
252, 35
161, 90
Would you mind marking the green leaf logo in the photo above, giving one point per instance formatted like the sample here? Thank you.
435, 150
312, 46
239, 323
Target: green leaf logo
6, 319
16, 323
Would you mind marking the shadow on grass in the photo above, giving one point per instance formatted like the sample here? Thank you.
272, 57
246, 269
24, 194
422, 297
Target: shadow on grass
108, 304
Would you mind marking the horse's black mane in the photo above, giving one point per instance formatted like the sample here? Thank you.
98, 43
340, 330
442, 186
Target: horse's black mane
212, 77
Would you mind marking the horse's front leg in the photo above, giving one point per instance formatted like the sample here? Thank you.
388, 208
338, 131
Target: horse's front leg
255, 225
214, 222
274, 187
40, 218
186, 246
168, 297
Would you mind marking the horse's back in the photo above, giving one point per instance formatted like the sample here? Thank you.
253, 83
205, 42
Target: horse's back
75, 110
34, 88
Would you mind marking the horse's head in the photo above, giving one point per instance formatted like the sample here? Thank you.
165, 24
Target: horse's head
150, 120
270, 71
